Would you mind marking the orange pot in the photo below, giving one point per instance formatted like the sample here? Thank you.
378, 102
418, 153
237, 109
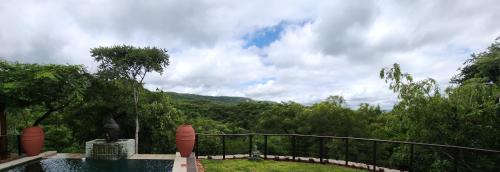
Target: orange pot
32, 140
184, 140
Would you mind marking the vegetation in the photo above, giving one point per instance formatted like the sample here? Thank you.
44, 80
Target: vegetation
465, 114
275, 166
48, 88
130, 64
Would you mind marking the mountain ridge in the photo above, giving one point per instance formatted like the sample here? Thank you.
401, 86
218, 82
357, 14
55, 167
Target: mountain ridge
221, 99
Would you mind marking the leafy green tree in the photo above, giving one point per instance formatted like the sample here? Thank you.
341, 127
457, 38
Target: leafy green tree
484, 66
52, 87
162, 119
131, 64
281, 118
246, 114
103, 99
465, 115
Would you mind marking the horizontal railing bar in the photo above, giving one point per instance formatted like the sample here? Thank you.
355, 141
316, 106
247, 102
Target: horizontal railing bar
222, 134
11, 135
362, 139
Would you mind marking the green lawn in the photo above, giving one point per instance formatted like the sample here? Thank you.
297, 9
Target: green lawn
269, 165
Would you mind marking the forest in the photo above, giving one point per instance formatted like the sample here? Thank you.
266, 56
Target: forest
71, 103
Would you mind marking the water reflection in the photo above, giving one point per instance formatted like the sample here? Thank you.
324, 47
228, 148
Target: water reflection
78, 165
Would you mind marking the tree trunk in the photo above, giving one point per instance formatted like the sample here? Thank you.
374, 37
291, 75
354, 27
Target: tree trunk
136, 134
3, 132
136, 101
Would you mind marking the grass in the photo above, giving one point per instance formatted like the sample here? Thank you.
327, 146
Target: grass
269, 165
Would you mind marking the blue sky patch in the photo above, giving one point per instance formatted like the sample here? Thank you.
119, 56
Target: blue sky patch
457, 49
265, 36
260, 81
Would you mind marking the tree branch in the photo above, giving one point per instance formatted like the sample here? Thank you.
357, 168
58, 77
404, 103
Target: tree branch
45, 115
142, 77
50, 111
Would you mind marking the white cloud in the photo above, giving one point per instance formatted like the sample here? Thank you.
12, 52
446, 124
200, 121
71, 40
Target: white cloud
326, 48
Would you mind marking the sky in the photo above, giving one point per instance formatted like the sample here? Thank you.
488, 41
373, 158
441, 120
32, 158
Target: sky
302, 51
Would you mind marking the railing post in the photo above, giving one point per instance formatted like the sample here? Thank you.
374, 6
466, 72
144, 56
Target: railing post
346, 151
294, 149
411, 157
457, 153
374, 155
320, 149
250, 145
223, 146
265, 146
196, 144
19, 146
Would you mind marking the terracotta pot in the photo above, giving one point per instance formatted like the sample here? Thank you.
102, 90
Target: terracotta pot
184, 140
32, 140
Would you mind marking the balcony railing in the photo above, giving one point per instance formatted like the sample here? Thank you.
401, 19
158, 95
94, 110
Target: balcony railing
11, 145
314, 146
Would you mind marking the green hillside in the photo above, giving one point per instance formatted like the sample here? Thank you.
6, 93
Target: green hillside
219, 99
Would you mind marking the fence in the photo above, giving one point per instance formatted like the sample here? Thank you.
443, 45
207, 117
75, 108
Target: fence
12, 145
353, 149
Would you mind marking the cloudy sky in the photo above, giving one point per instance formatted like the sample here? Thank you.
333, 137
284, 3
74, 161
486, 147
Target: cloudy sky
275, 50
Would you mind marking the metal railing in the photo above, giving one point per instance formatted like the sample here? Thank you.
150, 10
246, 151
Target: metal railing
11, 144
320, 140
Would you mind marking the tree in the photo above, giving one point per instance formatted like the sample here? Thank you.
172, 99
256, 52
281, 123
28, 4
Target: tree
51, 87
162, 119
484, 66
131, 64
280, 118
465, 115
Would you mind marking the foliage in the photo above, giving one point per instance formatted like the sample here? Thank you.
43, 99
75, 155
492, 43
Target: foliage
464, 114
52, 87
214, 99
131, 64
161, 118
281, 118
484, 66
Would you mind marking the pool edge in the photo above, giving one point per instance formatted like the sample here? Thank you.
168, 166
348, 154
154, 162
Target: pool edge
26, 159
182, 164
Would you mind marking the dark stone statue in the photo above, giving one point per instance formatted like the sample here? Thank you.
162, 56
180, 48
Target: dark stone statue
112, 130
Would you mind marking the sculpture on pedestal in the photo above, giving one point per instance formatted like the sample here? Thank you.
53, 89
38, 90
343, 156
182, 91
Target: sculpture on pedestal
112, 130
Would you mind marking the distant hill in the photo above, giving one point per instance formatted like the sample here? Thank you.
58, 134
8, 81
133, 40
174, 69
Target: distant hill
194, 97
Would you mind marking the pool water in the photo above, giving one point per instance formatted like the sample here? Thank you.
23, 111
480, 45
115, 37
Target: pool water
77, 165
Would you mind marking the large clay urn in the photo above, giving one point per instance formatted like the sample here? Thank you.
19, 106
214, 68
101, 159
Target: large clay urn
32, 140
184, 140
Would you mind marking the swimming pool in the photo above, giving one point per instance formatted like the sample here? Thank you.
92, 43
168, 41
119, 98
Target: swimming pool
89, 165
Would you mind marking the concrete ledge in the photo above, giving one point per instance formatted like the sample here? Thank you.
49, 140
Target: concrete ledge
182, 164
26, 159
154, 156
68, 156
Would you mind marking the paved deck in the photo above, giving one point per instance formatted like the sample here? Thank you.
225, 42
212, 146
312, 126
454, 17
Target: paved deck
182, 164
26, 159
153, 156
68, 156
